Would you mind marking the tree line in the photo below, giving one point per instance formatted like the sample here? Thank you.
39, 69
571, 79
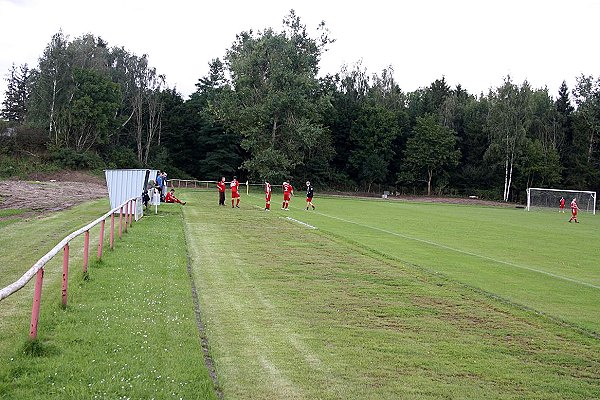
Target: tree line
263, 112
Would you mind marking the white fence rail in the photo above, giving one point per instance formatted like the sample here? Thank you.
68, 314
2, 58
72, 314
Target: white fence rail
125, 210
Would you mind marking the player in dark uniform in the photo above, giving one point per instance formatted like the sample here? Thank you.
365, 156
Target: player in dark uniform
310, 191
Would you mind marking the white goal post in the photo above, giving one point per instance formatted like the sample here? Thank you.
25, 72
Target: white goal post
544, 198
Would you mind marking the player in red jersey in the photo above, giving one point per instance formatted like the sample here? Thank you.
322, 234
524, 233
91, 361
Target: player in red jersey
221, 187
562, 205
170, 198
235, 195
267, 196
574, 209
288, 192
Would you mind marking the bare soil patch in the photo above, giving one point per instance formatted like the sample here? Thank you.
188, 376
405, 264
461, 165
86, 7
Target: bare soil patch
46, 193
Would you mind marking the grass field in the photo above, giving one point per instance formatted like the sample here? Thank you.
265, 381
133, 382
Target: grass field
535, 259
383, 300
129, 331
396, 300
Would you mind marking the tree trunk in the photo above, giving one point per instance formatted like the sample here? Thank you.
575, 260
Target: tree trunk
505, 194
429, 178
50, 128
273, 132
591, 148
139, 127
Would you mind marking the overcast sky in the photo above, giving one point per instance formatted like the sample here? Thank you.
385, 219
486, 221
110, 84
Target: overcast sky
475, 43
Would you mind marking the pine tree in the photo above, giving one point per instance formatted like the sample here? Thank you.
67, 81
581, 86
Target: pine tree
565, 110
14, 106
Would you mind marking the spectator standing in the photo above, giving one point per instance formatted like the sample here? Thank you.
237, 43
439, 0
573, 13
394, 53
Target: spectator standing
159, 183
163, 188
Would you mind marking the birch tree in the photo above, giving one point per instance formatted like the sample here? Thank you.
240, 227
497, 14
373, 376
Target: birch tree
51, 86
508, 121
587, 98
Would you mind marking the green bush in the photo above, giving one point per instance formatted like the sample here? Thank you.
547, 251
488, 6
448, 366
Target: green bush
69, 158
121, 157
24, 166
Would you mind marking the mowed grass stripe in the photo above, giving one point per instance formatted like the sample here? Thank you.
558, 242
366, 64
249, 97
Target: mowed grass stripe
128, 332
292, 312
467, 253
541, 241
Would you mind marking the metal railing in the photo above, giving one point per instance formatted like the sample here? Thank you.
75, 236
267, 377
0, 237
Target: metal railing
190, 183
126, 212
196, 184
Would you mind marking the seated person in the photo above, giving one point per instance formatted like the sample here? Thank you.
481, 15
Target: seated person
170, 198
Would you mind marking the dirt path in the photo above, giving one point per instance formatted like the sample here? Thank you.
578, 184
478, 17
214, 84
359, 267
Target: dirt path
47, 193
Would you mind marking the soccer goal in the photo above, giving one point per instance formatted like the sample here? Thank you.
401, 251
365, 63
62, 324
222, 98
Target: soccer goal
540, 198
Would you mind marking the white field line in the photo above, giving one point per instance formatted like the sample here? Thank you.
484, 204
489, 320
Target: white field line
429, 242
288, 218
300, 222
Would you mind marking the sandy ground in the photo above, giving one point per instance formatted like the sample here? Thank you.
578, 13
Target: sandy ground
46, 193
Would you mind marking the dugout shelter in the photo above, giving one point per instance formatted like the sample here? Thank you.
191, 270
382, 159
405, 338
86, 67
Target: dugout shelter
124, 184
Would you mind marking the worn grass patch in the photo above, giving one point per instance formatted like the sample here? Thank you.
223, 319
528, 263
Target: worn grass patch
10, 215
292, 312
128, 332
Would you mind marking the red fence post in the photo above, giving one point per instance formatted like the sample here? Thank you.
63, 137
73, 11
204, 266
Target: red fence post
131, 203
126, 216
101, 240
37, 298
112, 231
65, 278
121, 222
86, 250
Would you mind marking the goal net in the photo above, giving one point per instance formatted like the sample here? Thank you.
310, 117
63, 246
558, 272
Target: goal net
540, 198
